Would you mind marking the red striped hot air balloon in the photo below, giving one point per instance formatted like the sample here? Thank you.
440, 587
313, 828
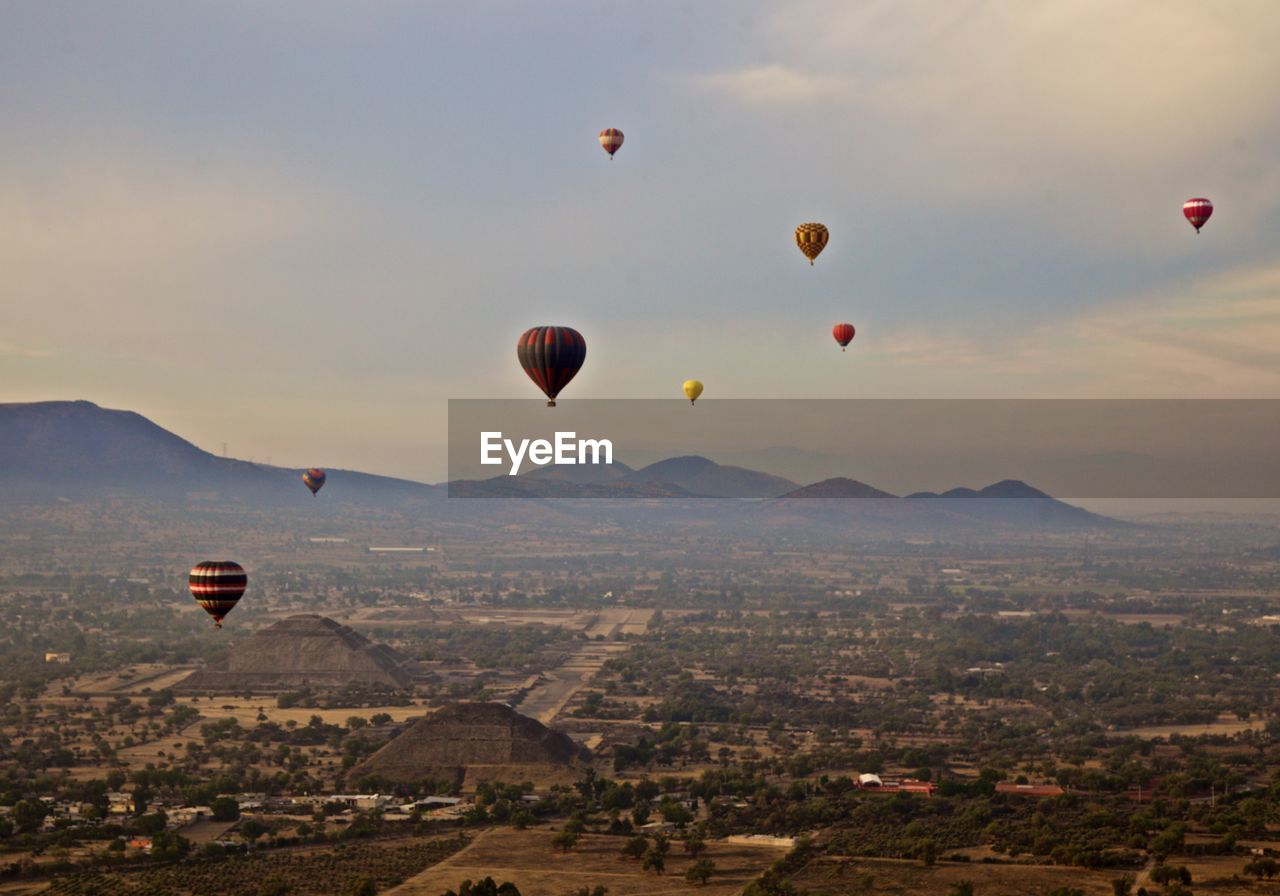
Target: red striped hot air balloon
551, 356
843, 334
217, 586
611, 139
1197, 211
314, 479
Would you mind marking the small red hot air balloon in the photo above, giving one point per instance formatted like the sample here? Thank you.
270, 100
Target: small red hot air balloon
611, 140
551, 356
314, 479
1197, 211
217, 586
843, 334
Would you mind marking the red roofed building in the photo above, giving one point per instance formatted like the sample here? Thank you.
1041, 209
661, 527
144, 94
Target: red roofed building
874, 784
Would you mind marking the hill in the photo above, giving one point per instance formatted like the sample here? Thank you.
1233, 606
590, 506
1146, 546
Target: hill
705, 478
474, 741
840, 487
304, 650
676, 477
1013, 502
75, 449
51, 449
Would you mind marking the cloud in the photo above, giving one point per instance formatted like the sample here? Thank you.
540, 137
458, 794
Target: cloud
1218, 339
9, 350
1072, 105
132, 215
777, 84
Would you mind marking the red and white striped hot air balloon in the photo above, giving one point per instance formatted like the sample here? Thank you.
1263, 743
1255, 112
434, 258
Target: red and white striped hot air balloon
611, 140
1197, 211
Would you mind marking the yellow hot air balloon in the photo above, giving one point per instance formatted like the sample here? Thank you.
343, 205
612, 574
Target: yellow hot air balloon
812, 239
692, 389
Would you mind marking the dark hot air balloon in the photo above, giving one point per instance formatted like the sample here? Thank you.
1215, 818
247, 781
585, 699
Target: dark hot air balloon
1197, 211
314, 479
551, 356
217, 586
611, 140
812, 239
843, 334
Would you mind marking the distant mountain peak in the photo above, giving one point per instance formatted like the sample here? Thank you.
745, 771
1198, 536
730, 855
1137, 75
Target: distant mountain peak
838, 487
703, 477
1005, 488
58, 448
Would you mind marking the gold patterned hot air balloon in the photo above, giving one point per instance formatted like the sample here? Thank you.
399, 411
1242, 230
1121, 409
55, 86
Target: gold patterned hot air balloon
812, 239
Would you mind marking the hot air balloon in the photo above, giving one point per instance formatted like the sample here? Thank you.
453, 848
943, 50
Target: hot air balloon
314, 479
812, 239
611, 140
217, 586
692, 389
1197, 211
843, 334
551, 356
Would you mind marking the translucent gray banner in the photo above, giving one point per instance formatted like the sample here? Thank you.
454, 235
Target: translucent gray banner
763, 448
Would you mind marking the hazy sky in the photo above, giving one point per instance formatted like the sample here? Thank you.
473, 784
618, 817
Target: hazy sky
299, 227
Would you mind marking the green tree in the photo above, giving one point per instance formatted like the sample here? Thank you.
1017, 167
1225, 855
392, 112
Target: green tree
28, 815
153, 823
251, 829
486, 887
655, 861
1165, 875
636, 847
927, 850
700, 871
565, 840
225, 808
167, 846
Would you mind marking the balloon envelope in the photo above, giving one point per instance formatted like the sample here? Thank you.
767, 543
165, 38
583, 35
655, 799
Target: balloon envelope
843, 333
812, 239
611, 140
551, 356
217, 586
692, 389
314, 479
1197, 211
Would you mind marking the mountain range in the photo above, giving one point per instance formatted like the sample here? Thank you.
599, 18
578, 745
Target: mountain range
66, 449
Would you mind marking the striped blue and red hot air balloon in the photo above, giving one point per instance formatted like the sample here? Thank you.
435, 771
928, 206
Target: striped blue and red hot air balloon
217, 586
314, 479
551, 356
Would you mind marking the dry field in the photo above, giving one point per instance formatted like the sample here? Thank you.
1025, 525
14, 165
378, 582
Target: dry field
829, 877
307, 871
246, 711
528, 860
1224, 726
838, 877
132, 680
